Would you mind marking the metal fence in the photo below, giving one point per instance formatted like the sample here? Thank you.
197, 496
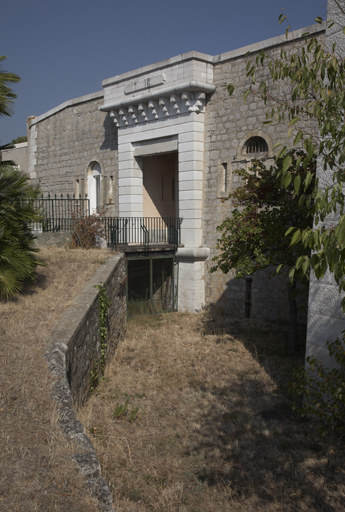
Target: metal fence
142, 231
63, 213
58, 213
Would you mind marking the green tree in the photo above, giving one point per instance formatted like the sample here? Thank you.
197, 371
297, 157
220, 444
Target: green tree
253, 236
7, 96
18, 140
18, 254
315, 115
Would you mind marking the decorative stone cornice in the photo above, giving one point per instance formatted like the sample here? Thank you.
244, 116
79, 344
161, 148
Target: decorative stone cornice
167, 102
162, 107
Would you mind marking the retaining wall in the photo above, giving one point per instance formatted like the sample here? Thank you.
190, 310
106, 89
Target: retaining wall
75, 347
76, 340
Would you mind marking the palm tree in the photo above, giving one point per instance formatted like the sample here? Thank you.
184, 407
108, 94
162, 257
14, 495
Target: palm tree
7, 96
18, 254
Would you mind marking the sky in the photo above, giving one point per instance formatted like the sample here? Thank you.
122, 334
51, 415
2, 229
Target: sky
63, 49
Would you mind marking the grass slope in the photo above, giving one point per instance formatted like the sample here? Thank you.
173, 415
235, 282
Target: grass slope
36, 470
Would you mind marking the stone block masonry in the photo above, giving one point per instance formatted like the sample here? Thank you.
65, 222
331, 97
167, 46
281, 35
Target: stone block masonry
229, 123
66, 141
77, 336
97, 144
75, 347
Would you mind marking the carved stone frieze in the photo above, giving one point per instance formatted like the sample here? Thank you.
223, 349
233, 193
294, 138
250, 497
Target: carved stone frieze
174, 105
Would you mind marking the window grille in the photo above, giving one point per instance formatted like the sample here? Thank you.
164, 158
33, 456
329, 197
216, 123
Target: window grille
256, 145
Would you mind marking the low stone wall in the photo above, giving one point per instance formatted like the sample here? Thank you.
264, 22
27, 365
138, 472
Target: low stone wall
75, 347
58, 239
77, 336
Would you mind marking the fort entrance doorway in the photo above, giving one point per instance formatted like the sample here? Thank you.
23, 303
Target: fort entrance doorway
160, 185
152, 285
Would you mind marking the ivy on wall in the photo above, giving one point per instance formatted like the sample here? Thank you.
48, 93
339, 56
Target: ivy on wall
98, 369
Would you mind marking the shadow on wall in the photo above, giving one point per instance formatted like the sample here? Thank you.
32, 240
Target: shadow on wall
110, 140
263, 296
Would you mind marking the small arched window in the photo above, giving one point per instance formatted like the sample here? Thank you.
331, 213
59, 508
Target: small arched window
255, 145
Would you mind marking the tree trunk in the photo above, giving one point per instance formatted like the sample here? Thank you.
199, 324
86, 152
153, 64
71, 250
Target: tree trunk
293, 319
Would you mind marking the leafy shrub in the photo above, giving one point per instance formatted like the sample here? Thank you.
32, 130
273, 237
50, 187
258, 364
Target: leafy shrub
323, 390
87, 232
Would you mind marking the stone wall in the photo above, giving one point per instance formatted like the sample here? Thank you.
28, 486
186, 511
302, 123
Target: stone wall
229, 122
76, 339
326, 319
75, 346
66, 141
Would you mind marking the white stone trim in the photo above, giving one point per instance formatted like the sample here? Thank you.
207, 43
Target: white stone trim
174, 101
155, 148
192, 254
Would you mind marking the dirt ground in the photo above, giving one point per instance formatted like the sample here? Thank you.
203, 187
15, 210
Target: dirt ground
36, 470
194, 415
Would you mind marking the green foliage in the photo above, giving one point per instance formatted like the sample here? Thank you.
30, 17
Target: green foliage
314, 112
97, 369
94, 377
19, 140
322, 391
18, 254
253, 238
104, 305
121, 411
7, 96
86, 231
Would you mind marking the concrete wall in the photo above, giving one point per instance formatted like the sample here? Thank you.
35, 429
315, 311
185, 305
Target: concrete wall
326, 320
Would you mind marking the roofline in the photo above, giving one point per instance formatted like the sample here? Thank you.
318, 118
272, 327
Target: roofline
312, 30
62, 106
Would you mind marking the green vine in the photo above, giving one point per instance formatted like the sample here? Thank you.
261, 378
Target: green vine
104, 304
93, 377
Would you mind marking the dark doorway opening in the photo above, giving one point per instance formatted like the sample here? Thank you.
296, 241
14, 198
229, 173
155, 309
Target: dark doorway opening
151, 285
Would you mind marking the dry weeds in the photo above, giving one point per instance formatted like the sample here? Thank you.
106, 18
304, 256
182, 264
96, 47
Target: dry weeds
37, 473
208, 426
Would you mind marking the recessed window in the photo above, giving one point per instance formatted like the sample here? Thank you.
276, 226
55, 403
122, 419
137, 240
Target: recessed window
255, 145
94, 187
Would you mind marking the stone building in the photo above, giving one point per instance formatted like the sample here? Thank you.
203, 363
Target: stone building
164, 141
326, 320
17, 154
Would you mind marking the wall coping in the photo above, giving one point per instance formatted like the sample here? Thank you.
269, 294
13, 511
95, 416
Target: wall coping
69, 103
203, 57
61, 393
312, 30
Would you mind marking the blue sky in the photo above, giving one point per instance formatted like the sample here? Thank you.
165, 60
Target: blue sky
64, 49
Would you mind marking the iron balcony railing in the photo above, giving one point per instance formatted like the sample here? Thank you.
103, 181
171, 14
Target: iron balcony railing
142, 231
62, 213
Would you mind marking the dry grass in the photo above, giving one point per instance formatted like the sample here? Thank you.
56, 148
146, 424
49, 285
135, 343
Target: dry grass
213, 429
37, 473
